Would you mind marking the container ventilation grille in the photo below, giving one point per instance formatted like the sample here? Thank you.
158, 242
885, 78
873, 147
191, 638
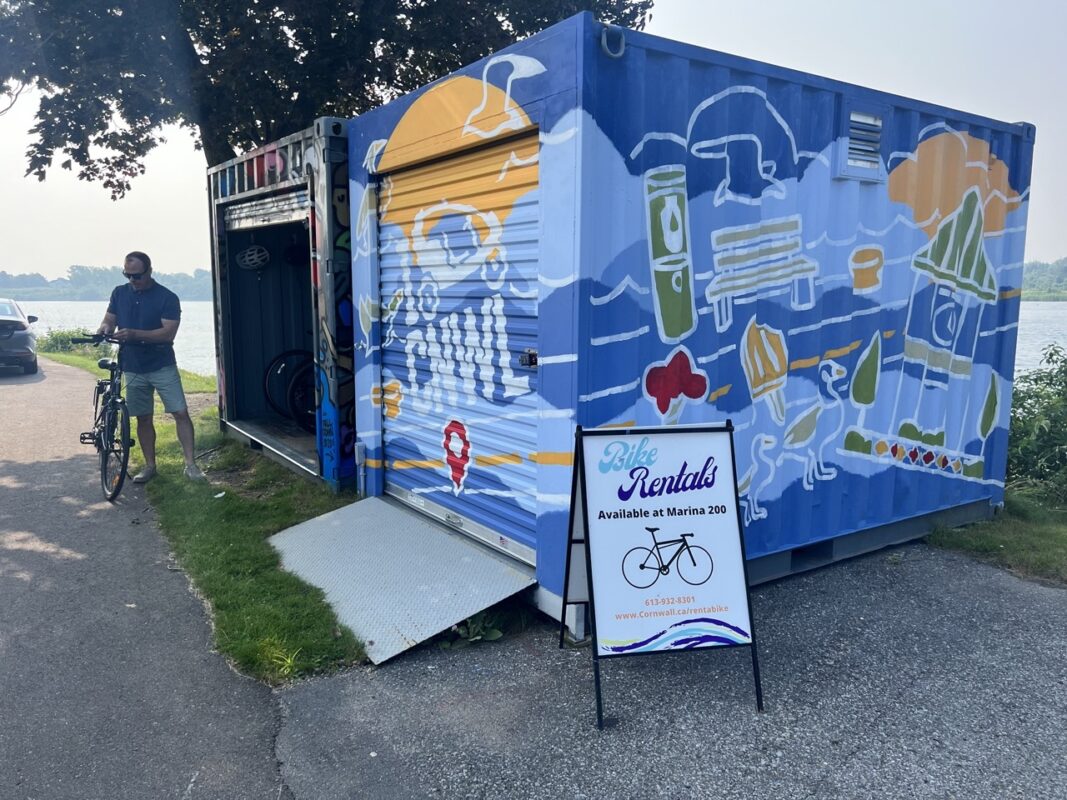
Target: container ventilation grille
864, 140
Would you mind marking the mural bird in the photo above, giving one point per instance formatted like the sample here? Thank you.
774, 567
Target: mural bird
747, 488
800, 434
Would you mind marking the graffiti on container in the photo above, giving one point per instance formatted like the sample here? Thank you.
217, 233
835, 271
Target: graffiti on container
799, 436
670, 384
750, 259
817, 408
335, 320
757, 477
765, 359
326, 435
457, 446
389, 398
456, 287
865, 263
483, 118
668, 247
728, 270
742, 154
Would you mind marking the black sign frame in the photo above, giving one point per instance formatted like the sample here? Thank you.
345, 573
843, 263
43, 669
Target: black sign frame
579, 524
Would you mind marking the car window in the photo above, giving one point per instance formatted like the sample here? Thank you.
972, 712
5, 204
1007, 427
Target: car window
8, 310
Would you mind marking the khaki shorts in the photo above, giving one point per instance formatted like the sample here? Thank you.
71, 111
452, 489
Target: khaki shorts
166, 381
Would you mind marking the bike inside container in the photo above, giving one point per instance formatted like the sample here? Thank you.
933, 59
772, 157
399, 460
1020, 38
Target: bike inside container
270, 311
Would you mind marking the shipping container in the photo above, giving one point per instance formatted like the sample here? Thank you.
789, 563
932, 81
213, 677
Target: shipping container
283, 300
600, 227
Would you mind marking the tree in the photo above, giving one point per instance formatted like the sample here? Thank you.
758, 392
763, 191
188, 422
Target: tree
238, 73
1037, 443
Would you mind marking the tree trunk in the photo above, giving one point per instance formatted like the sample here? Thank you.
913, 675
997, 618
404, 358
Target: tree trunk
216, 148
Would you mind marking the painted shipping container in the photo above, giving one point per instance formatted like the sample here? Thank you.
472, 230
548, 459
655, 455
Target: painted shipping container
283, 300
605, 228
601, 227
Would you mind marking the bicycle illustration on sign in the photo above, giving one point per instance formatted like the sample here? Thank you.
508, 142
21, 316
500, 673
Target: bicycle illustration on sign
642, 566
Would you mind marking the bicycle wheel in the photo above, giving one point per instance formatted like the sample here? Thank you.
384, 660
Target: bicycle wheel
695, 566
300, 398
277, 376
115, 450
640, 567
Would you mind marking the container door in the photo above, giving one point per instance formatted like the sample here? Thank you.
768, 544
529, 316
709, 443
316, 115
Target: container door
458, 254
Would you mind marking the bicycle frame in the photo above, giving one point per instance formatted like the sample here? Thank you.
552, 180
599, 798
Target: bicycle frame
105, 395
683, 545
107, 389
111, 424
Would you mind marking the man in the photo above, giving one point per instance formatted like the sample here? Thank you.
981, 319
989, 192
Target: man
144, 315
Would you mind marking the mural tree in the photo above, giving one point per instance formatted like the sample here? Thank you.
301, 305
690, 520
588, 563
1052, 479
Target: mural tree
238, 73
865, 382
989, 411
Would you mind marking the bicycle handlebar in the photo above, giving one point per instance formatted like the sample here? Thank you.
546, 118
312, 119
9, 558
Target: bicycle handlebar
96, 338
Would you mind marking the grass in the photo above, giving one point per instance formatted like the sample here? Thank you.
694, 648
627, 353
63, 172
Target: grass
86, 359
1028, 538
271, 624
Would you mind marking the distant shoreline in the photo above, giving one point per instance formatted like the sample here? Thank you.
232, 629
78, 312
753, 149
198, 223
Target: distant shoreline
24, 296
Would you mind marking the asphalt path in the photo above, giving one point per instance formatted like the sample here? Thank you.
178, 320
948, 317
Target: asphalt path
109, 687
908, 673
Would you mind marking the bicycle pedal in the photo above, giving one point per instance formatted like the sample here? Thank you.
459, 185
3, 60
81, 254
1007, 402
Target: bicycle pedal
89, 437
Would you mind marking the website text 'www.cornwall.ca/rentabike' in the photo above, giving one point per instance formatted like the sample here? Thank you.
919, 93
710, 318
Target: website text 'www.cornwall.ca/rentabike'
673, 612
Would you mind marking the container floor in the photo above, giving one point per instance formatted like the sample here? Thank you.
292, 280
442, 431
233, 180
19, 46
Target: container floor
282, 437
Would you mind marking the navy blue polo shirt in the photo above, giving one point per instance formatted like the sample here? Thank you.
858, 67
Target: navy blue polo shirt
144, 311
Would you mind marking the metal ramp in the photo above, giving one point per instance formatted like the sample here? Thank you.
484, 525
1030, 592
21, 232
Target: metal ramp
394, 576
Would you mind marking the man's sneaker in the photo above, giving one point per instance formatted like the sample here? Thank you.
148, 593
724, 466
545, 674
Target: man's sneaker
145, 475
193, 473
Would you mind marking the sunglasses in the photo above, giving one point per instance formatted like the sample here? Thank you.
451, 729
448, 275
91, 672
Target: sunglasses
134, 276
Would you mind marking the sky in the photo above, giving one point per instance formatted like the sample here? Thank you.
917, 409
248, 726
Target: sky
995, 59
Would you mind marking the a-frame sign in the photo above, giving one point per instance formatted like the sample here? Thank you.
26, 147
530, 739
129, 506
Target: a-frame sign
656, 530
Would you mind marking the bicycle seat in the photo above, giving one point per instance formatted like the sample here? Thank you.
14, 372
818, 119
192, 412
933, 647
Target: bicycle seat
106, 363
686, 535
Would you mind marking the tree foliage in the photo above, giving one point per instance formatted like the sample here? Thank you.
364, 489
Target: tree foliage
1042, 281
95, 283
238, 73
1037, 445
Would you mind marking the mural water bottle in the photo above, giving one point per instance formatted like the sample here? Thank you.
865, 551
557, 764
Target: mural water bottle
668, 244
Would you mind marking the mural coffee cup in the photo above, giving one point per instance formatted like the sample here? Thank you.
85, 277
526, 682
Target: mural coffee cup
866, 263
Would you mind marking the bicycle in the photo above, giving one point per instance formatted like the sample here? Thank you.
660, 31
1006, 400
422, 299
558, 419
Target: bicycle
289, 386
111, 423
642, 566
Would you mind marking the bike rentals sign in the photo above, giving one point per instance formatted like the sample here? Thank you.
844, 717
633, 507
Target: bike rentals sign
656, 527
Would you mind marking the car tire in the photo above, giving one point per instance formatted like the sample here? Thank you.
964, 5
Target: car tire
31, 368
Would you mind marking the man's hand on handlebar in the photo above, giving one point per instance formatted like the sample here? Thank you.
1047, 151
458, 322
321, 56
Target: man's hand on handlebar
96, 338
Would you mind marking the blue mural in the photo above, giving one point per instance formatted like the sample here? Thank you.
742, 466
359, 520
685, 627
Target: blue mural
835, 270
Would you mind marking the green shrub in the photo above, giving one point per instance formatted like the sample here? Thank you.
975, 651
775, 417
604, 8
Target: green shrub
58, 341
1037, 448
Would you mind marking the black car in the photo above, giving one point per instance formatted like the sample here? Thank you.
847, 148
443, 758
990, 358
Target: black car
18, 344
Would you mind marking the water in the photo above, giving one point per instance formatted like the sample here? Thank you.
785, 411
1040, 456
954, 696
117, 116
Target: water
1040, 324
194, 347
